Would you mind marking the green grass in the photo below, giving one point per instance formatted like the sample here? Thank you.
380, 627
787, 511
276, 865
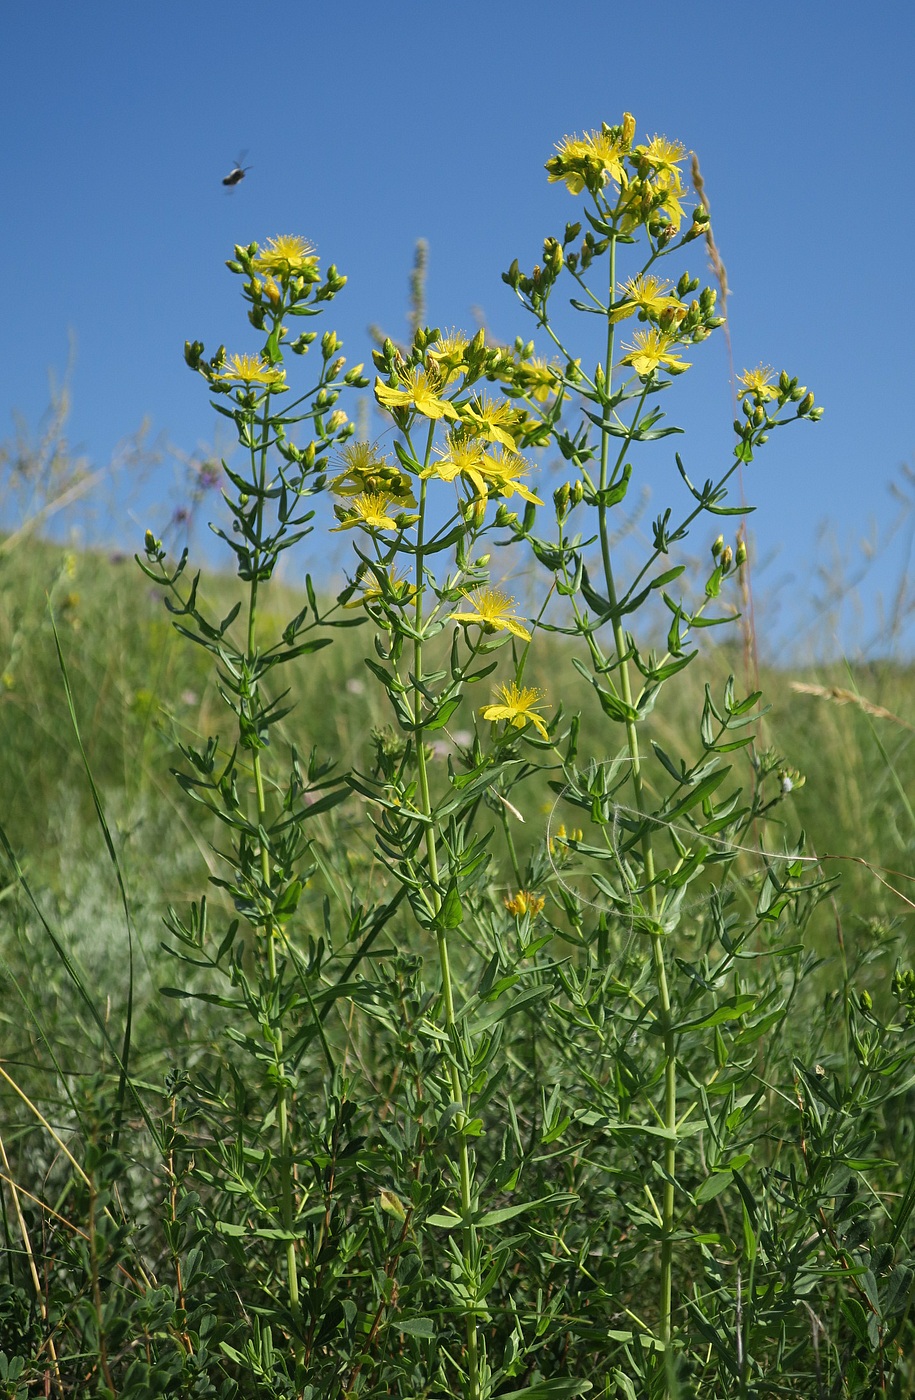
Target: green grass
138, 688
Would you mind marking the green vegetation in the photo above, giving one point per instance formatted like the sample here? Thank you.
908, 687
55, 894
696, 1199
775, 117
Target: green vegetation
491, 1000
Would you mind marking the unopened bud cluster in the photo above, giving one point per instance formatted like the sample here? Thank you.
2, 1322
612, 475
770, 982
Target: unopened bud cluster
904, 992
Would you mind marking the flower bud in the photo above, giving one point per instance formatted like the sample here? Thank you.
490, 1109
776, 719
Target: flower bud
805, 405
741, 556
578, 491
718, 546
552, 255
727, 558
628, 128
513, 275
336, 421
561, 499
151, 544
865, 1000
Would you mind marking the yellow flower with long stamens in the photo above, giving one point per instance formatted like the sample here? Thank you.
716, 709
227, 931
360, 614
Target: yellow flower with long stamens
287, 255
644, 293
462, 455
591, 160
651, 349
493, 612
502, 472
537, 378
421, 392
398, 585
447, 354
672, 204
493, 419
758, 382
663, 156
368, 471
517, 707
250, 369
371, 511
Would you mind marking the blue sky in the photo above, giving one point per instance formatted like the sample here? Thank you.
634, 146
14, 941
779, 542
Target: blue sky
369, 126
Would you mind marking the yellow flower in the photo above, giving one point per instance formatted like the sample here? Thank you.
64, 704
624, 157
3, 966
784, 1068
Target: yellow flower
672, 203
524, 902
517, 706
420, 392
250, 369
367, 470
758, 382
287, 255
563, 840
502, 471
370, 510
590, 160
537, 378
663, 156
493, 613
644, 293
462, 455
447, 354
398, 583
651, 349
493, 419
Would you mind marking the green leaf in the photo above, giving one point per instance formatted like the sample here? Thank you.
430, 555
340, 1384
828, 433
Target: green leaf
416, 1326
451, 914
730, 1010
713, 1186
669, 577
749, 1235
496, 1217
444, 1220
698, 794
548, 1390
443, 715
288, 901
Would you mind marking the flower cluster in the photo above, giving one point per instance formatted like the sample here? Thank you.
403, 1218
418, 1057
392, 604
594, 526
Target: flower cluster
523, 903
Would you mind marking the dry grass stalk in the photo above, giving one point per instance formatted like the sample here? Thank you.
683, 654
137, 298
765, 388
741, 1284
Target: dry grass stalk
839, 696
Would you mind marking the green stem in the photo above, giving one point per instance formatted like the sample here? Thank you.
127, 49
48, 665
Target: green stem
457, 1091
657, 948
270, 933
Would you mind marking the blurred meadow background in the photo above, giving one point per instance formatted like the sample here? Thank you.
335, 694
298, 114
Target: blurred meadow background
407, 143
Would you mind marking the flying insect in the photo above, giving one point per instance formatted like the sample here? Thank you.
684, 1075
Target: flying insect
237, 173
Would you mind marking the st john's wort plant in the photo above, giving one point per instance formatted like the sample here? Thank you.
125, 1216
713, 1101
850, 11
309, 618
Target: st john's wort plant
685, 900
267, 1158
518, 1123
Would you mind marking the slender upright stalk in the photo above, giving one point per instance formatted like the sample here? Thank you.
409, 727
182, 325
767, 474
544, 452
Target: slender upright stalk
259, 463
457, 1091
657, 948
